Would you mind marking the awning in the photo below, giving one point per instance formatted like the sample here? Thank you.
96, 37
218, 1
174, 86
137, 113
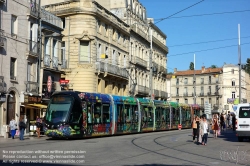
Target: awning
41, 106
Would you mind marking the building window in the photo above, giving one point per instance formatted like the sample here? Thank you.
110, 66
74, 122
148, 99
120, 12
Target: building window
13, 68
114, 34
29, 69
232, 71
99, 52
13, 25
233, 95
209, 79
124, 61
118, 37
114, 58
106, 29
99, 26
177, 100
177, 91
209, 89
202, 101
47, 46
186, 101
202, 90
185, 81
55, 48
233, 82
202, 80
210, 101
84, 51
177, 81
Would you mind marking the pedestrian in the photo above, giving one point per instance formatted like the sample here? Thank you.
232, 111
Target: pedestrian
13, 127
233, 121
215, 126
38, 126
204, 127
22, 127
199, 136
222, 122
194, 126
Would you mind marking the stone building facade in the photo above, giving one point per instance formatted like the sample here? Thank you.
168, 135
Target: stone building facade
119, 32
20, 49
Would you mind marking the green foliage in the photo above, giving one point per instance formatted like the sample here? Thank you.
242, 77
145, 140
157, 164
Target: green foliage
247, 67
213, 66
191, 66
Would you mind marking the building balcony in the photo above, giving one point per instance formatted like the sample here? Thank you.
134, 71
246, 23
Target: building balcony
143, 89
1, 38
64, 7
209, 93
140, 62
3, 88
156, 93
32, 49
202, 94
34, 8
51, 19
31, 87
185, 94
46, 60
64, 64
164, 94
155, 67
216, 93
111, 69
55, 62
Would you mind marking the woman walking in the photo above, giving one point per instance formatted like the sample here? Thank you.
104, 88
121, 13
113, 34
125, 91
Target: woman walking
215, 126
13, 128
38, 126
22, 127
194, 126
204, 130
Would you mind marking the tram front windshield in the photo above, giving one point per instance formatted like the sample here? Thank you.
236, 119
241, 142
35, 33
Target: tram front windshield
59, 109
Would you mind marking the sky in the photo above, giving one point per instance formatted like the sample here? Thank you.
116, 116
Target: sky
195, 29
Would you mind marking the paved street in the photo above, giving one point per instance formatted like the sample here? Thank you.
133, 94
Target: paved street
158, 148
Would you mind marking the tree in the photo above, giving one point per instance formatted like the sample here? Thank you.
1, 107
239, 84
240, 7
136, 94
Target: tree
247, 67
191, 66
213, 66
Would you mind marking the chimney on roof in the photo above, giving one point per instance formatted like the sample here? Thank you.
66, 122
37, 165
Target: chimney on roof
175, 70
202, 68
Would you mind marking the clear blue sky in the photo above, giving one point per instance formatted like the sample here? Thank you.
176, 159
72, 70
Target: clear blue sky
198, 29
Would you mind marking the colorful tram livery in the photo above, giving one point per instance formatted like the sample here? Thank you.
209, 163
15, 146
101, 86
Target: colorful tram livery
83, 114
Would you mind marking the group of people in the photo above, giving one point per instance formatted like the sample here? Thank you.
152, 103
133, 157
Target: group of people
200, 127
219, 123
13, 126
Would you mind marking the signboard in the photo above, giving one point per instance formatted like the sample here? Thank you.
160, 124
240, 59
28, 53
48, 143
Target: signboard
207, 108
49, 84
62, 82
32, 99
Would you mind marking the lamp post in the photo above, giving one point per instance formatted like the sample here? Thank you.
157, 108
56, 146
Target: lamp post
239, 57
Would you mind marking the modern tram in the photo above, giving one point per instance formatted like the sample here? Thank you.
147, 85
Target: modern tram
82, 114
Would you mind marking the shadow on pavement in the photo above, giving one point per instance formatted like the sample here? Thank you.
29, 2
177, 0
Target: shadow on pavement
156, 165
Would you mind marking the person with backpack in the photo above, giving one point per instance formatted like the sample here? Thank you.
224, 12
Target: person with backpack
22, 127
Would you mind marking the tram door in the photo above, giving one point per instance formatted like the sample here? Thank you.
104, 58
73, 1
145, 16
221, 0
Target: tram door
158, 118
167, 115
120, 118
183, 117
135, 119
90, 120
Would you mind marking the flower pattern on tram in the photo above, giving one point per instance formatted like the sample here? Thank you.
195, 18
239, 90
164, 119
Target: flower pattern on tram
62, 131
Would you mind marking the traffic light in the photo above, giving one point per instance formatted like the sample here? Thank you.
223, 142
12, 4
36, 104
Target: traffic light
104, 56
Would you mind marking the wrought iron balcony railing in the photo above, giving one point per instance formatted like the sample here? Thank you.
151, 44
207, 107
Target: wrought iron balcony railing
140, 62
143, 89
31, 87
112, 69
34, 8
1, 38
55, 62
46, 60
50, 18
64, 64
33, 47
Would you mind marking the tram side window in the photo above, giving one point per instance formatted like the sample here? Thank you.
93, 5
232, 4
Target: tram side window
144, 114
106, 113
119, 112
158, 113
167, 114
135, 113
183, 115
89, 113
188, 115
151, 114
76, 114
127, 114
97, 113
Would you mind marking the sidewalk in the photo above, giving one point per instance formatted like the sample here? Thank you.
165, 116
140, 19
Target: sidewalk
26, 136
